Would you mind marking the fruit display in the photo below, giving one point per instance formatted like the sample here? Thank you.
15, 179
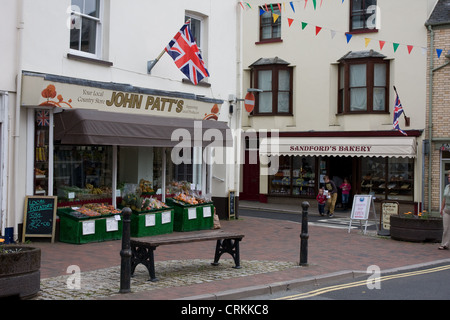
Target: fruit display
145, 186
138, 203
190, 199
94, 210
152, 204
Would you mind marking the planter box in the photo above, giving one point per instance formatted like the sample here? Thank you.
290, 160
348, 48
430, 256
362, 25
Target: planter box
416, 229
20, 272
150, 223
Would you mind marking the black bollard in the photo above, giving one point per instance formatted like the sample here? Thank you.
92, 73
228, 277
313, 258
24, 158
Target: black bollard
125, 253
304, 235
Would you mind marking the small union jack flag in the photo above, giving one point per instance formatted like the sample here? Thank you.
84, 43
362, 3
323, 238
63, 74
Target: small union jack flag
43, 118
187, 57
398, 110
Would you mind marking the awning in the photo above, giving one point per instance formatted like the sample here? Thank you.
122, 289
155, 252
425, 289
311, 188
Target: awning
398, 147
93, 127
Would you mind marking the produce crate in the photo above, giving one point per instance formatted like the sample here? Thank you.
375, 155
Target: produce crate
153, 222
192, 217
78, 230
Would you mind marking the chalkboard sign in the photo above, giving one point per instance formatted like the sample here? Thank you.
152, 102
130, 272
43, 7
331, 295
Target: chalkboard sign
39, 217
231, 204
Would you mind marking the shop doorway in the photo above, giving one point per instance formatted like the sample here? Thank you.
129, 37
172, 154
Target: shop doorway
445, 169
341, 168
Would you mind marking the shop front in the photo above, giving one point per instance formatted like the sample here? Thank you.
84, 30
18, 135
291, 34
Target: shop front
100, 146
383, 166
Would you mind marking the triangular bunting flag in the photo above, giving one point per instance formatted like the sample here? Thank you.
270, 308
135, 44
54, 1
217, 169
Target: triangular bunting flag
318, 30
367, 40
382, 44
409, 48
290, 21
306, 1
267, 9
424, 51
279, 7
332, 33
321, 3
395, 46
248, 5
304, 24
349, 36
439, 52
241, 5
261, 11
292, 6
271, 7
314, 3
275, 17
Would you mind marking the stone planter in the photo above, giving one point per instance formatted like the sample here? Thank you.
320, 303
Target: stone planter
20, 271
416, 229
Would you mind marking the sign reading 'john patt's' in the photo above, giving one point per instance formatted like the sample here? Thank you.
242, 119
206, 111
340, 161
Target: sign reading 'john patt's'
37, 91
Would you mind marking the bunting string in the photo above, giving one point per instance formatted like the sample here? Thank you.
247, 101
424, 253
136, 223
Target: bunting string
293, 6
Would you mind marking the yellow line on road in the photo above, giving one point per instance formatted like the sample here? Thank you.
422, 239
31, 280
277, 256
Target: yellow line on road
361, 283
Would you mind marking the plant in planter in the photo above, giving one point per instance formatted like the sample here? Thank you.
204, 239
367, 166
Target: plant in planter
19, 271
416, 228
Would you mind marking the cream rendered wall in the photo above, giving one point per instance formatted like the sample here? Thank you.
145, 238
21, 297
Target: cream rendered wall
315, 62
133, 33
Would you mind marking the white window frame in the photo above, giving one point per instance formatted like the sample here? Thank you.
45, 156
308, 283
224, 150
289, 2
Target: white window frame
201, 47
99, 33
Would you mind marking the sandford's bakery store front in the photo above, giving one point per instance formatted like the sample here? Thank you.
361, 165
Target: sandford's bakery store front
383, 164
87, 141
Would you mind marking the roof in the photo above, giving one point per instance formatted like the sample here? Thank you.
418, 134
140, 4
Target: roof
440, 14
269, 61
362, 54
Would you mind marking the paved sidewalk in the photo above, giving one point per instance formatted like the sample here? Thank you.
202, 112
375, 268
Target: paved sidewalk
270, 254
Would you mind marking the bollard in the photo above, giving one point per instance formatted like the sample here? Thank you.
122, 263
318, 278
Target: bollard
304, 235
125, 253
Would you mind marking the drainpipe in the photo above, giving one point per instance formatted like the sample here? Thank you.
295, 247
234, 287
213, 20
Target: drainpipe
430, 113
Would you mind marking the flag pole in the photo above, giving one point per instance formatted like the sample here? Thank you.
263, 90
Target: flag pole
407, 119
152, 63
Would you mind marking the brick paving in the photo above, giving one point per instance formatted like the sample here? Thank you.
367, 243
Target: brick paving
270, 254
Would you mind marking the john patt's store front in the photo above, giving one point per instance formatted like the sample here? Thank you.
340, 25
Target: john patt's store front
94, 142
383, 164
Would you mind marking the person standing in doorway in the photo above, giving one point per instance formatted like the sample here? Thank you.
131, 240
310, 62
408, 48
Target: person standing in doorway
445, 213
345, 187
330, 186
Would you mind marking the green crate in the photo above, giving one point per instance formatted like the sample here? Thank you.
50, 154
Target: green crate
140, 229
190, 217
71, 229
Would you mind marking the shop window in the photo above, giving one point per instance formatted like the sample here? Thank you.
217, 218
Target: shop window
388, 178
295, 176
85, 29
275, 81
363, 83
363, 15
41, 152
270, 23
82, 173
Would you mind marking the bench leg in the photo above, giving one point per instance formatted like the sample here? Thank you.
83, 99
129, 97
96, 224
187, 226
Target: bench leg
230, 246
145, 256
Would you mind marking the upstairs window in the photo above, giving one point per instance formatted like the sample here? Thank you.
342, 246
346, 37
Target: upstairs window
363, 83
270, 23
85, 29
363, 15
274, 78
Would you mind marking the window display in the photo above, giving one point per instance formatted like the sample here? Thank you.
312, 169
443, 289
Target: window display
295, 176
388, 178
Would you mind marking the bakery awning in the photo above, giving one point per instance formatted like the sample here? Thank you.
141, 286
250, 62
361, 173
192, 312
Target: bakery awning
398, 147
93, 127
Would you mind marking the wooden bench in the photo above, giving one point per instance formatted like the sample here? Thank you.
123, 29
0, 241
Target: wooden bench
142, 249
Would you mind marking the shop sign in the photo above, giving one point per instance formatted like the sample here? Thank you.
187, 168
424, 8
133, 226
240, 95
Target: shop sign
39, 92
331, 148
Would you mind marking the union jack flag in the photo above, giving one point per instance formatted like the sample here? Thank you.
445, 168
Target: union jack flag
43, 118
398, 110
186, 55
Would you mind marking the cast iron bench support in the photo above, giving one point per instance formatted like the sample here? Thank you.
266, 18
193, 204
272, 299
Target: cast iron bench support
142, 249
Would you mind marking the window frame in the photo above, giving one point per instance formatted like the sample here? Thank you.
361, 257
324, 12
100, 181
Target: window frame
343, 104
98, 32
275, 68
272, 25
365, 15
